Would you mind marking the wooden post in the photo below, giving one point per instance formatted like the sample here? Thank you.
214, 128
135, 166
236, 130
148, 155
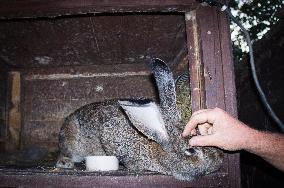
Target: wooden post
14, 113
195, 62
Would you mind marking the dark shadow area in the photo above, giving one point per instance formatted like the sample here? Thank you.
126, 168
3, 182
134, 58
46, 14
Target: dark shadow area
269, 58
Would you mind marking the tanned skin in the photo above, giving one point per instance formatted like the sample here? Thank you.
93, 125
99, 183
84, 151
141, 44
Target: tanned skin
218, 128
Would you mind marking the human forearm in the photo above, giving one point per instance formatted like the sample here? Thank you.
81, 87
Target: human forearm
222, 130
269, 146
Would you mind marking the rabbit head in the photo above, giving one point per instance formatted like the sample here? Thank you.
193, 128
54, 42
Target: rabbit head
162, 123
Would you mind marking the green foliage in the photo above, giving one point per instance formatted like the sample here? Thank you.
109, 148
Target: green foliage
257, 16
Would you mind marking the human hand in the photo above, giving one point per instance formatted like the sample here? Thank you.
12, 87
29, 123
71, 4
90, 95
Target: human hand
217, 128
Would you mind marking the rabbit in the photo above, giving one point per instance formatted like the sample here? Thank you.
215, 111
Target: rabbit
143, 135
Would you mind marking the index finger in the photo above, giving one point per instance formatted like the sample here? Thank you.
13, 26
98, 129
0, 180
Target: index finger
205, 116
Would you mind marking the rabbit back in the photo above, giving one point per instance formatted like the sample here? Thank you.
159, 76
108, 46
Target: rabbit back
79, 136
104, 129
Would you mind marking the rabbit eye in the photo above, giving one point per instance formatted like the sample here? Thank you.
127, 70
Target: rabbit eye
189, 151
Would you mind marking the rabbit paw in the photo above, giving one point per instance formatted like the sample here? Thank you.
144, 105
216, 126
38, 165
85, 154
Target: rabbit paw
64, 162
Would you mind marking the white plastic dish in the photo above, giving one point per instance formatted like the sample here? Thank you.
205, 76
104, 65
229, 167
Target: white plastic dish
101, 163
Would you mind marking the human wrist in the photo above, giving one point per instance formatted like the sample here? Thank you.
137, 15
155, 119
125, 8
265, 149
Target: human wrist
251, 140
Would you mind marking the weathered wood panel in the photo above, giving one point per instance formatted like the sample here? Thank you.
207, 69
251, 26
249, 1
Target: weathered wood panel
230, 95
51, 96
88, 40
219, 74
195, 61
50, 8
103, 179
212, 82
3, 95
87, 88
13, 110
41, 133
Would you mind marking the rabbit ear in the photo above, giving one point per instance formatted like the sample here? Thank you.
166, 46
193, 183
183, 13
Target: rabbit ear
147, 119
166, 86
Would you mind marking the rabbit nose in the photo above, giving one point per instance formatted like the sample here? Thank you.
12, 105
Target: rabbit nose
189, 151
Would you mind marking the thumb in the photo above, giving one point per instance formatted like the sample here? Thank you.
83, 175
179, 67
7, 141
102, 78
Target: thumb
207, 140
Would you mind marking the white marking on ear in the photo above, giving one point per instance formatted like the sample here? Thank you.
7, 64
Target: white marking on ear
147, 119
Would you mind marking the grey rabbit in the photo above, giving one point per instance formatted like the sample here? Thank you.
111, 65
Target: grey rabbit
143, 135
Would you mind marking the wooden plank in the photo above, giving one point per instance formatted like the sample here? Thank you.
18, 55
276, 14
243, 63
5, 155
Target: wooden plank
195, 61
87, 179
219, 75
87, 71
89, 40
3, 98
42, 100
206, 72
14, 114
97, 88
230, 92
41, 133
51, 8
51, 94
50, 110
213, 73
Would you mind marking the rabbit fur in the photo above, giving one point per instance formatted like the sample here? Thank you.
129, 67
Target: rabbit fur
140, 133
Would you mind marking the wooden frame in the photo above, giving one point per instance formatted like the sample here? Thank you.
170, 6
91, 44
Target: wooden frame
212, 84
51, 8
212, 70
